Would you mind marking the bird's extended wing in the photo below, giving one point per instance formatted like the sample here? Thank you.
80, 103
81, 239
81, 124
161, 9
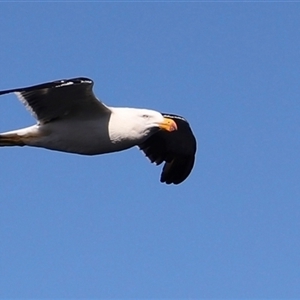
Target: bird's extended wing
61, 98
176, 148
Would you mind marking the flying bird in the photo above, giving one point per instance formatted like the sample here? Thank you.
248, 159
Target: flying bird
71, 119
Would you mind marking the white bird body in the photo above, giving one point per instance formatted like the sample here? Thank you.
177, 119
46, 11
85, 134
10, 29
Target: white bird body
92, 136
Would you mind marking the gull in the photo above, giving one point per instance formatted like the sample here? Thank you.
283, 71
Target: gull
71, 119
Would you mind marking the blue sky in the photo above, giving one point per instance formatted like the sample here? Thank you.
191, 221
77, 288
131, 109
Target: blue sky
104, 227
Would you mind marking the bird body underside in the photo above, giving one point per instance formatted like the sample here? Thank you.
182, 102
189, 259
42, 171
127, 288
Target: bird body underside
69, 138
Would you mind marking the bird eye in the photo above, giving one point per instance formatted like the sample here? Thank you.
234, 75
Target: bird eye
145, 116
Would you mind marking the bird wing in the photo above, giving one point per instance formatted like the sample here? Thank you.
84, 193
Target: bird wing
176, 148
61, 98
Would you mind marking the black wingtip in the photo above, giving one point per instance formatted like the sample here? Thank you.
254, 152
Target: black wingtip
176, 148
178, 170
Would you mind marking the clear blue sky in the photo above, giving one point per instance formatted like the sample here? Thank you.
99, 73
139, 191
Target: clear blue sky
104, 227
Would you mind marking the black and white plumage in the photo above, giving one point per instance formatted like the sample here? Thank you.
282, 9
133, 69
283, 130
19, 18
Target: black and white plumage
71, 119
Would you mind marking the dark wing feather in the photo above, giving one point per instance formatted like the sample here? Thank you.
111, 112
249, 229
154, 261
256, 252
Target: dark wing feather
60, 98
176, 148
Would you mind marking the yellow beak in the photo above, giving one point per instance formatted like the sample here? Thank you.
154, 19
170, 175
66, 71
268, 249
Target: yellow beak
168, 124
